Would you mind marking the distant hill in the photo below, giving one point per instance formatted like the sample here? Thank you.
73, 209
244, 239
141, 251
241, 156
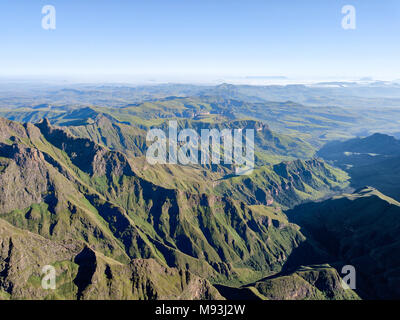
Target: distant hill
361, 151
374, 161
384, 175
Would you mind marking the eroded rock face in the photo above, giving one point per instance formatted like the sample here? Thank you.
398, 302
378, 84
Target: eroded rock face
10, 129
22, 257
286, 184
85, 154
83, 273
24, 177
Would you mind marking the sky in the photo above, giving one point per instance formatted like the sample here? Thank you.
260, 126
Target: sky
202, 38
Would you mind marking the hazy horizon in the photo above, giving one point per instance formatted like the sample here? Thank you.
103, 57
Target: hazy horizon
135, 80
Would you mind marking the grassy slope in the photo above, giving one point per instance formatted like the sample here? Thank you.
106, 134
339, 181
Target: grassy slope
82, 273
316, 282
286, 184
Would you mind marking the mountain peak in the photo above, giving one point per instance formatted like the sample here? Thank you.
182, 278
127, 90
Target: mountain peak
382, 137
45, 122
365, 190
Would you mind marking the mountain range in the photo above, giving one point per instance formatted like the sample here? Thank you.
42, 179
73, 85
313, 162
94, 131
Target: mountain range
77, 193
59, 188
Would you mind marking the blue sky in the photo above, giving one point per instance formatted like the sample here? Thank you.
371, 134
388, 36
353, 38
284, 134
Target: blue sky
202, 37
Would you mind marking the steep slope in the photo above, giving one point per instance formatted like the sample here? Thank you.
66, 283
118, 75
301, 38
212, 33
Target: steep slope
265, 140
301, 180
23, 254
81, 190
124, 129
318, 282
113, 134
359, 229
131, 138
286, 183
85, 274
37, 197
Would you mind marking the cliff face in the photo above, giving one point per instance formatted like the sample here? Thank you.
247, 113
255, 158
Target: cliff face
23, 178
86, 154
286, 184
131, 139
